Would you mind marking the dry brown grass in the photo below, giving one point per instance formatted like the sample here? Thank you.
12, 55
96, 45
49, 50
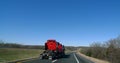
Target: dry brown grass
91, 58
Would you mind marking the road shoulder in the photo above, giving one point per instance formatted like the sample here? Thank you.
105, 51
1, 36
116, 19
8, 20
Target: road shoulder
92, 59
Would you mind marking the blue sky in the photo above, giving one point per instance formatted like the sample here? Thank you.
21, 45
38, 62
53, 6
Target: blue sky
71, 22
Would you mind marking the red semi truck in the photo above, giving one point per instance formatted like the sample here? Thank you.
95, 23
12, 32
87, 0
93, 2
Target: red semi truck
53, 50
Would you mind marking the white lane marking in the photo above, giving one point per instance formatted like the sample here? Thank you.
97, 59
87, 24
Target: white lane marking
54, 61
76, 58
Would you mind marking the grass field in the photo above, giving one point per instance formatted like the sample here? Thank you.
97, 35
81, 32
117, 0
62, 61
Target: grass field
10, 54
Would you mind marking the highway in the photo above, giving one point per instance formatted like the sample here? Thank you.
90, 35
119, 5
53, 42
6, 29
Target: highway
68, 58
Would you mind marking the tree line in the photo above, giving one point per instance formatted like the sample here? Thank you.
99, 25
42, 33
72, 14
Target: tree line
109, 50
4, 44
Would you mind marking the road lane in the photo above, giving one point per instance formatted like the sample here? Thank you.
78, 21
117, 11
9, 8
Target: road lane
38, 61
68, 58
76, 58
82, 59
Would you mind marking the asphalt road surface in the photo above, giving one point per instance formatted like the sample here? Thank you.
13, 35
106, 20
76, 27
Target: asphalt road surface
68, 58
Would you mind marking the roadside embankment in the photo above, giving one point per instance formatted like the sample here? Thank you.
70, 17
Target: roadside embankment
95, 60
13, 54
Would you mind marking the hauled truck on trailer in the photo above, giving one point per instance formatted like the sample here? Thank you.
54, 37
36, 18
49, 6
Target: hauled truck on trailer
53, 50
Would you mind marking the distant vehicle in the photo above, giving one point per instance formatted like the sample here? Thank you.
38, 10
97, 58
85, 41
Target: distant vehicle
53, 50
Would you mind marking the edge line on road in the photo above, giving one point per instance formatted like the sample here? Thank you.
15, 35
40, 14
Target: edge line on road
76, 58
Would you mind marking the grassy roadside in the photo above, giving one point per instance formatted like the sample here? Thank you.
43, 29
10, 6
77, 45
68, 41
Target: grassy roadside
67, 51
10, 54
95, 60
